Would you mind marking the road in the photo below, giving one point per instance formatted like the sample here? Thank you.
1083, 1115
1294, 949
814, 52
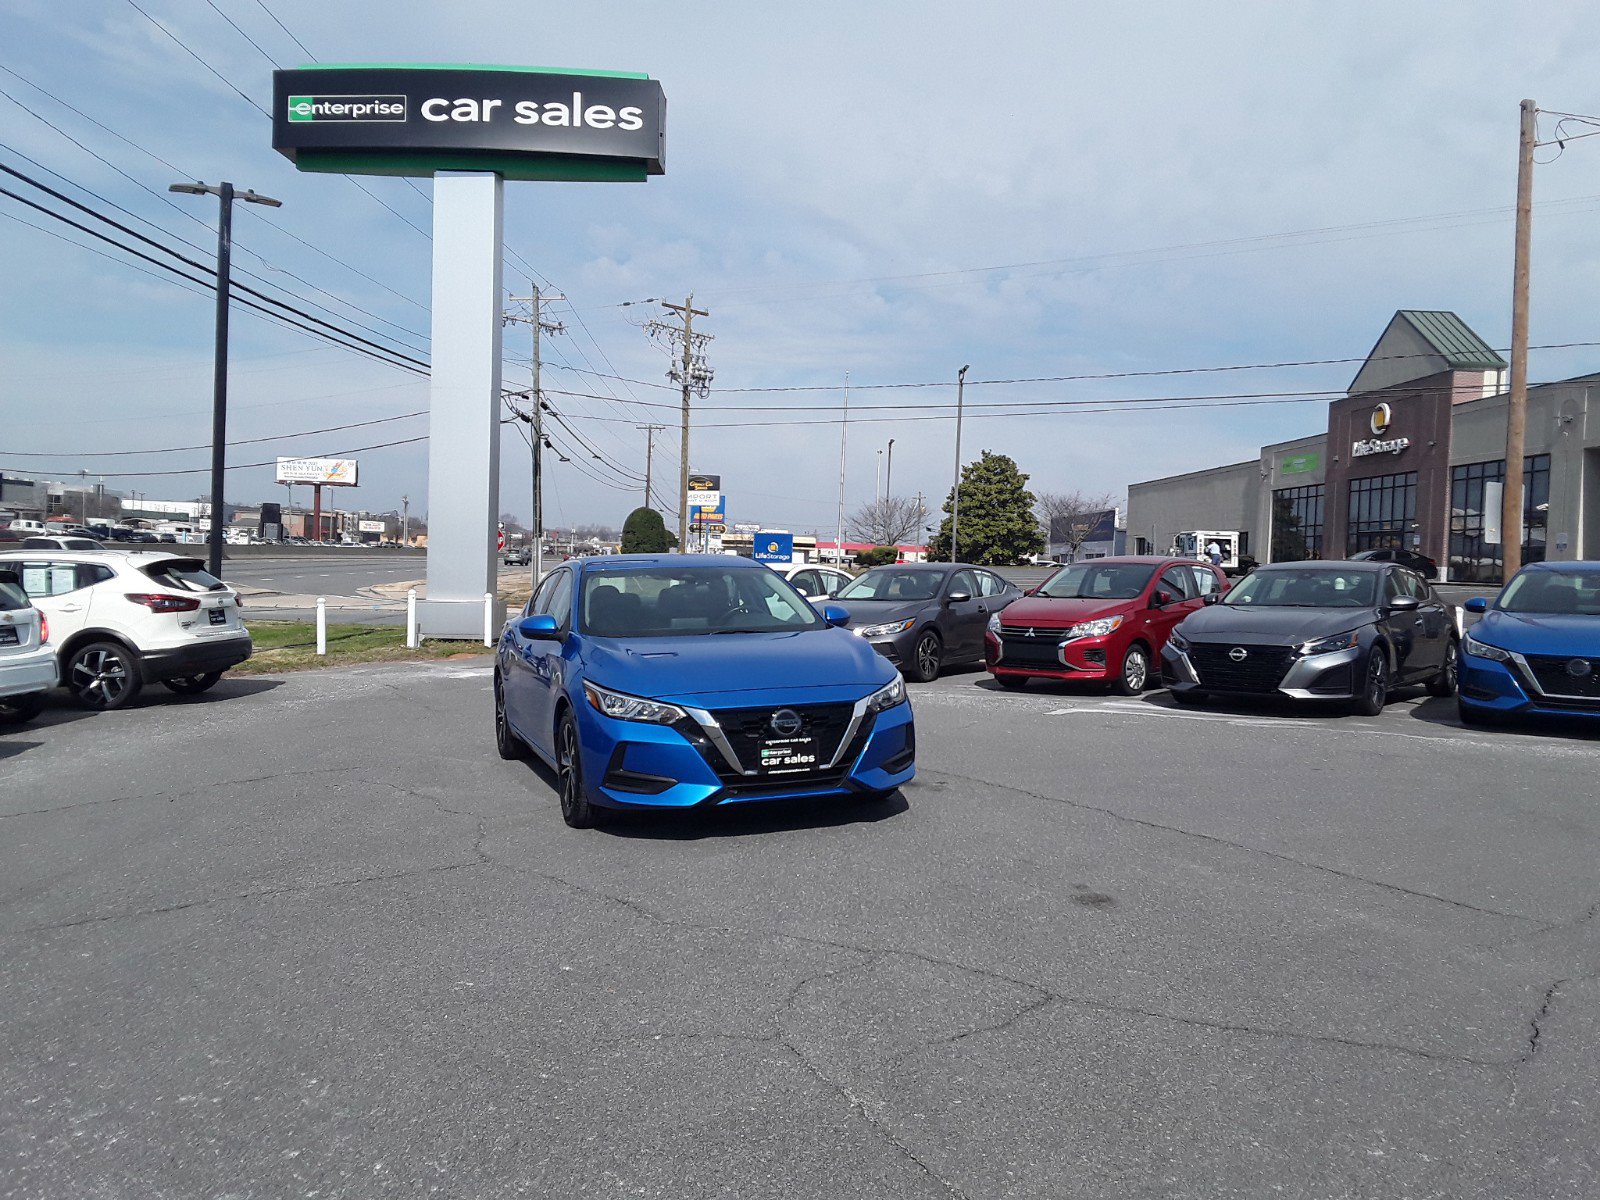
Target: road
309, 936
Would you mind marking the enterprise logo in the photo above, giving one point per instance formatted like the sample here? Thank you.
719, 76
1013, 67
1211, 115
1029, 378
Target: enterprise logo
364, 109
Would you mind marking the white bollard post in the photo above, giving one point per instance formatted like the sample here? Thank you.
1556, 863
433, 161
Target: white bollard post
1461, 620
411, 619
488, 618
322, 625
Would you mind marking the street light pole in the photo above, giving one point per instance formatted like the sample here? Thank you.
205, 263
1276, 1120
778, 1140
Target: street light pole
1511, 512
955, 492
219, 387
888, 472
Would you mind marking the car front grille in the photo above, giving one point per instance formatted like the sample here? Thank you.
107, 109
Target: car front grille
1556, 679
1031, 647
746, 727
1260, 670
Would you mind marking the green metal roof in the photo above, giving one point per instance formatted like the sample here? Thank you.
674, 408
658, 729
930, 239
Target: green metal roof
1448, 334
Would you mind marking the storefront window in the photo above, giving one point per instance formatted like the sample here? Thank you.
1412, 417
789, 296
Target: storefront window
1383, 513
1297, 523
1472, 559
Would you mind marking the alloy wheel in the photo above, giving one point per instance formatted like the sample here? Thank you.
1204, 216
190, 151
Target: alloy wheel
567, 769
1377, 681
928, 656
99, 678
1135, 670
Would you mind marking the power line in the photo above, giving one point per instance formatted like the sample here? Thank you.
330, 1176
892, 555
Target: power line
277, 437
185, 48
262, 5
271, 462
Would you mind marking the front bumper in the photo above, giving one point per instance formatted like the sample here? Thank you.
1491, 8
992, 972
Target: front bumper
1331, 676
633, 765
195, 658
1089, 659
23, 674
1512, 689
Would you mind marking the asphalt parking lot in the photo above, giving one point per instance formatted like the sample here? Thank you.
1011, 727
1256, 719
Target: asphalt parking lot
309, 936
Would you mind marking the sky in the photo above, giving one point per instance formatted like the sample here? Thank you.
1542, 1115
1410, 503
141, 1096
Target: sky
879, 192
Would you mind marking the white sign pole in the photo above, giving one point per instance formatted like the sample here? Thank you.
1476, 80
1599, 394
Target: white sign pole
464, 428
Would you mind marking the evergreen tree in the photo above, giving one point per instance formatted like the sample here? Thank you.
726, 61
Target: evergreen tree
644, 532
998, 528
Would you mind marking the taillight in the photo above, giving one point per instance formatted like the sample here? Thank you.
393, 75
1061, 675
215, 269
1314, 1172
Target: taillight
156, 602
44, 629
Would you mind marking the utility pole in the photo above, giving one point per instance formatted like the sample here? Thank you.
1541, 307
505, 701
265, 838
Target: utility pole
693, 375
1517, 402
844, 431
219, 388
650, 432
888, 472
535, 318
955, 492
405, 520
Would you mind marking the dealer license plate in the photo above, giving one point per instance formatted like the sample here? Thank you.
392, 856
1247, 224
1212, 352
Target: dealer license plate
219, 617
788, 756
9, 636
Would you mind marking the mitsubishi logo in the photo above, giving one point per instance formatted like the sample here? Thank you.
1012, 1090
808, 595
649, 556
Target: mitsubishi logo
786, 722
1238, 654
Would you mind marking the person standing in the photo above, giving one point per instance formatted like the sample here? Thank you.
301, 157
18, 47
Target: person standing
1214, 553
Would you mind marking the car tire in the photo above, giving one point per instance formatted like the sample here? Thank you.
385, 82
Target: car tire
1189, 699
927, 656
1014, 682
576, 810
102, 676
1134, 675
1444, 683
14, 710
1374, 693
507, 744
192, 685
1471, 714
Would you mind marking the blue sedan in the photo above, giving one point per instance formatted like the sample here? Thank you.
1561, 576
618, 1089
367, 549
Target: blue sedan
691, 681
1537, 650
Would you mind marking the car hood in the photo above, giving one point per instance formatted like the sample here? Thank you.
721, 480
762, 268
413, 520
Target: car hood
1047, 613
878, 612
714, 670
1271, 626
1540, 633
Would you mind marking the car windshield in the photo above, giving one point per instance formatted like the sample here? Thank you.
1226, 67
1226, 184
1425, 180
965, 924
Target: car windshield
1098, 581
894, 583
675, 601
1306, 587
1561, 592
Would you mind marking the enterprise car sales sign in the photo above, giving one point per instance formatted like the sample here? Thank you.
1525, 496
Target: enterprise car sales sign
521, 122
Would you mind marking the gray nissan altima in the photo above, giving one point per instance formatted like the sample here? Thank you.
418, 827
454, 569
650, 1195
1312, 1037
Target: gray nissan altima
924, 617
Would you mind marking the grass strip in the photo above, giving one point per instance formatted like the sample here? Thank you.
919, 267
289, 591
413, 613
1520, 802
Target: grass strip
292, 646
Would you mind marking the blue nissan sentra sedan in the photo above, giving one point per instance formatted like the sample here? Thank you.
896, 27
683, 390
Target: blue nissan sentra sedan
1537, 650
683, 681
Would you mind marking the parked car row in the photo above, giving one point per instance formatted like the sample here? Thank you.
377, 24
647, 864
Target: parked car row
104, 623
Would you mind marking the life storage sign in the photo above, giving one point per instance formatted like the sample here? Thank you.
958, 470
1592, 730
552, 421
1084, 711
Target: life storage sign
520, 122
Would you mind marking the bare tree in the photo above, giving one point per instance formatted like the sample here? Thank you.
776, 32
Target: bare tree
1070, 517
889, 520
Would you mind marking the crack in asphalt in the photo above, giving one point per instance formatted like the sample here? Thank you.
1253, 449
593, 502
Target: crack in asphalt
1145, 823
210, 789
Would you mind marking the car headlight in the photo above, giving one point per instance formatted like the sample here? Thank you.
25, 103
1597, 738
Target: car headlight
1097, 628
1327, 645
994, 624
890, 694
886, 630
1177, 641
630, 708
1471, 645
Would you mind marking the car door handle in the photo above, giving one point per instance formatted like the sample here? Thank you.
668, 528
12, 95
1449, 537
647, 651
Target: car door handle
981, 608
69, 608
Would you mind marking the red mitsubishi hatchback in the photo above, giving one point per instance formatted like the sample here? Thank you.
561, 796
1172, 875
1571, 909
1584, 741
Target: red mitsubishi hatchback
1104, 620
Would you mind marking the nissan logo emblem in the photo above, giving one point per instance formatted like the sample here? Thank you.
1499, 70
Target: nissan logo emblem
1580, 668
786, 722
1238, 654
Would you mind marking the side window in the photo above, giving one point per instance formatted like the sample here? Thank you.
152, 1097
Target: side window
1178, 581
1414, 585
1205, 580
559, 601
992, 585
806, 583
963, 582
1391, 586
49, 578
540, 594
90, 574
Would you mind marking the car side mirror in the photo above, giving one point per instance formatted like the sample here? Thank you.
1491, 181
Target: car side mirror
1211, 598
1161, 600
1478, 604
540, 625
958, 597
1404, 604
836, 615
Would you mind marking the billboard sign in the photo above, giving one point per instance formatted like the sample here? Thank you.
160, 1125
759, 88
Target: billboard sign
519, 122
369, 526
330, 472
716, 514
774, 547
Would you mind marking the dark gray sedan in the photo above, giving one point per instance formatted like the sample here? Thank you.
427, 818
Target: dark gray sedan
925, 616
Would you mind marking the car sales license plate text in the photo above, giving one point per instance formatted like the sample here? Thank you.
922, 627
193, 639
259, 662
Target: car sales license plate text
785, 756
219, 617
9, 636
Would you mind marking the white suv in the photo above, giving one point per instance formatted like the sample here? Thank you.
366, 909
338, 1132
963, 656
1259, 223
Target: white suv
120, 619
27, 663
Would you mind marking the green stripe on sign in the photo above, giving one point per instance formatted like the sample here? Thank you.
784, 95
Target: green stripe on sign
553, 168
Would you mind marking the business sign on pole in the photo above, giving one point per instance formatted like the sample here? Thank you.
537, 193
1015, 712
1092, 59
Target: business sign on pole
774, 547
712, 513
519, 122
369, 526
330, 472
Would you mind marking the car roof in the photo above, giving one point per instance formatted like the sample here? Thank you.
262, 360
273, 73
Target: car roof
1581, 564
703, 561
1343, 564
1139, 558
133, 557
